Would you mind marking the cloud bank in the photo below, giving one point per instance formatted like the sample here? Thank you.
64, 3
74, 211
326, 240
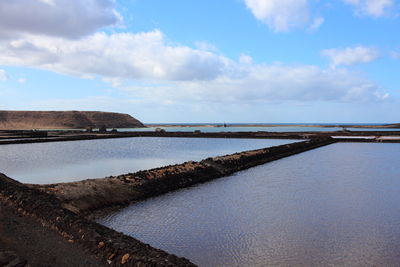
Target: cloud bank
148, 57
169, 72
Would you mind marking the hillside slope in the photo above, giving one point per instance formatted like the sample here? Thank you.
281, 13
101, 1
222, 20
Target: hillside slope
22, 120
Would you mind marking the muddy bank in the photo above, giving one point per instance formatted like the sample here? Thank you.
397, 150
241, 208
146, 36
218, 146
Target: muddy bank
35, 229
86, 196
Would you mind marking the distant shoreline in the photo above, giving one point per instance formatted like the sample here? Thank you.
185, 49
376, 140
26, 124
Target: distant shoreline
172, 125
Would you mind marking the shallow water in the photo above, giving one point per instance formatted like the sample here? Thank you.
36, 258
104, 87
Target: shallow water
337, 205
71, 161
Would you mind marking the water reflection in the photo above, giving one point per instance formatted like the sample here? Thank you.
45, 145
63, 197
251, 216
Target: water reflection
71, 161
336, 205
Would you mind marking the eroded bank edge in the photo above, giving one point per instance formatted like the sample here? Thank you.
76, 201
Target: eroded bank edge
112, 248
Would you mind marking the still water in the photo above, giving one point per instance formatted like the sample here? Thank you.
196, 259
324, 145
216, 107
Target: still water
71, 161
337, 205
236, 128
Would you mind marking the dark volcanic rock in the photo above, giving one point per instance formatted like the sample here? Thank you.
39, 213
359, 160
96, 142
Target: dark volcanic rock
22, 120
9, 258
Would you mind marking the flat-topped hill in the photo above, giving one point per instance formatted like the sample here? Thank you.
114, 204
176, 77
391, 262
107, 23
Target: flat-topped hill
23, 120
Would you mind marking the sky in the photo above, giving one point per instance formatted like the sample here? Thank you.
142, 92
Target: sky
194, 61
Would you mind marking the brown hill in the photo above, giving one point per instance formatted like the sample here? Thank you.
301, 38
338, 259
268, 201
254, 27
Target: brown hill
22, 120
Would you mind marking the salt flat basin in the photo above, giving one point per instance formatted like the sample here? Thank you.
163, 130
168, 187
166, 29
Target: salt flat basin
336, 205
44, 163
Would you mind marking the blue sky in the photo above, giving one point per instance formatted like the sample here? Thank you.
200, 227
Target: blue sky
204, 61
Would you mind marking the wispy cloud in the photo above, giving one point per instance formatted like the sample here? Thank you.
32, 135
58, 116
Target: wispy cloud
3, 75
375, 8
395, 55
316, 23
21, 80
350, 55
206, 46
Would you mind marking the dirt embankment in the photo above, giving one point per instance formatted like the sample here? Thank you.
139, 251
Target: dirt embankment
395, 125
22, 120
89, 195
34, 226
43, 227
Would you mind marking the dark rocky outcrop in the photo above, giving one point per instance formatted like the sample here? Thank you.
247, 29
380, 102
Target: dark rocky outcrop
22, 120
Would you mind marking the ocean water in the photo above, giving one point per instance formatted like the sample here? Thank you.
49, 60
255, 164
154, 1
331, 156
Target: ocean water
54, 162
338, 205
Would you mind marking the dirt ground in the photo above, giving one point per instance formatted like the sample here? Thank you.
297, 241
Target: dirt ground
24, 242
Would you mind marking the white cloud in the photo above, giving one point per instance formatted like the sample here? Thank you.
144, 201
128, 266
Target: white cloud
316, 23
3, 75
206, 46
268, 84
283, 15
66, 18
125, 56
375, 8
350, 55
245, 59
179, 73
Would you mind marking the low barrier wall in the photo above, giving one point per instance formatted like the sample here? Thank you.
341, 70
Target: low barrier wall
89, 195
